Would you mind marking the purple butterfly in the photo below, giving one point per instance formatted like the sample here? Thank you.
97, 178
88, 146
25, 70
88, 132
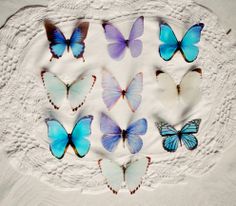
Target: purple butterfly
118, 43
113, 134
112, 91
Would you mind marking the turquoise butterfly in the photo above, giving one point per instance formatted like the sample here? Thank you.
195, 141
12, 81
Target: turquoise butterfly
172, 137
187, 45
60, 139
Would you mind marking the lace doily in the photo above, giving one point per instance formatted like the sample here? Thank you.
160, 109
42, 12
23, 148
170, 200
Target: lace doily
23, 100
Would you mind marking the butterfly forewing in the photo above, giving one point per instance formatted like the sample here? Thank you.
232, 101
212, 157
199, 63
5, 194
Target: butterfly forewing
113, 174
56, 89
79, 90
191, 127
134, 173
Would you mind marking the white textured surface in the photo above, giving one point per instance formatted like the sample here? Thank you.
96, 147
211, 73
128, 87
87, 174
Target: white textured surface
213, 149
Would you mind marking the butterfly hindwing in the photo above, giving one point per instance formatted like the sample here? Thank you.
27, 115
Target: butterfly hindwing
80, 134
58, 138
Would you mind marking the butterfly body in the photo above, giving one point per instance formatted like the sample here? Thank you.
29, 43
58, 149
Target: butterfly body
172, 137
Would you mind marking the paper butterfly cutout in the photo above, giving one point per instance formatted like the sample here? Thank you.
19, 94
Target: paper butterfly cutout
58, 42
118, 43
132, 174
113, 134
60, 139
174, 137
187, 45
112, 91
188, 90
76, 92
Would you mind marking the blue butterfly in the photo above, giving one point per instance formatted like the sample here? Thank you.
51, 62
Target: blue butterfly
174, 137
187, 45
60, 139
58, 42
113, 134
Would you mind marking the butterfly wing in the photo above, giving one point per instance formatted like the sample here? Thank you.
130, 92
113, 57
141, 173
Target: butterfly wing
170, 42
56, 38
189, 88
117, 47
189, 140
77, 39
79, 135
111, 89
79, 90
167, 90
113, 174
133, 92
56, 89
58, 138
135, 44
134, 173
112, 133
171, 141
135, 129
192, 36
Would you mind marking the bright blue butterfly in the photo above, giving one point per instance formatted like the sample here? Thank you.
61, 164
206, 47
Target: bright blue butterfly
60, 139
187, 45
113, 134
174, 137
58, 42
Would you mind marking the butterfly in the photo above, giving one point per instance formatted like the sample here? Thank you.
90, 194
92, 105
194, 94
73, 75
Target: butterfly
60, 139
187, 90
58, 42
174, 137
132, 174
118, 43
76, 92
112, 91
113, 134
187, 45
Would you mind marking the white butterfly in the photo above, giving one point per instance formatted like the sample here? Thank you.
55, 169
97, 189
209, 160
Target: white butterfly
188, 90
76, 92
132, 174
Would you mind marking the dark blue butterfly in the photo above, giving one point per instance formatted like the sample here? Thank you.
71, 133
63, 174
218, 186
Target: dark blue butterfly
58, 42
187, 45
60, 139
174, 137
113, 134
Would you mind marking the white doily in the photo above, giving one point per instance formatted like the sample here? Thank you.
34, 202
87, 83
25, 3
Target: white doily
23, 100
